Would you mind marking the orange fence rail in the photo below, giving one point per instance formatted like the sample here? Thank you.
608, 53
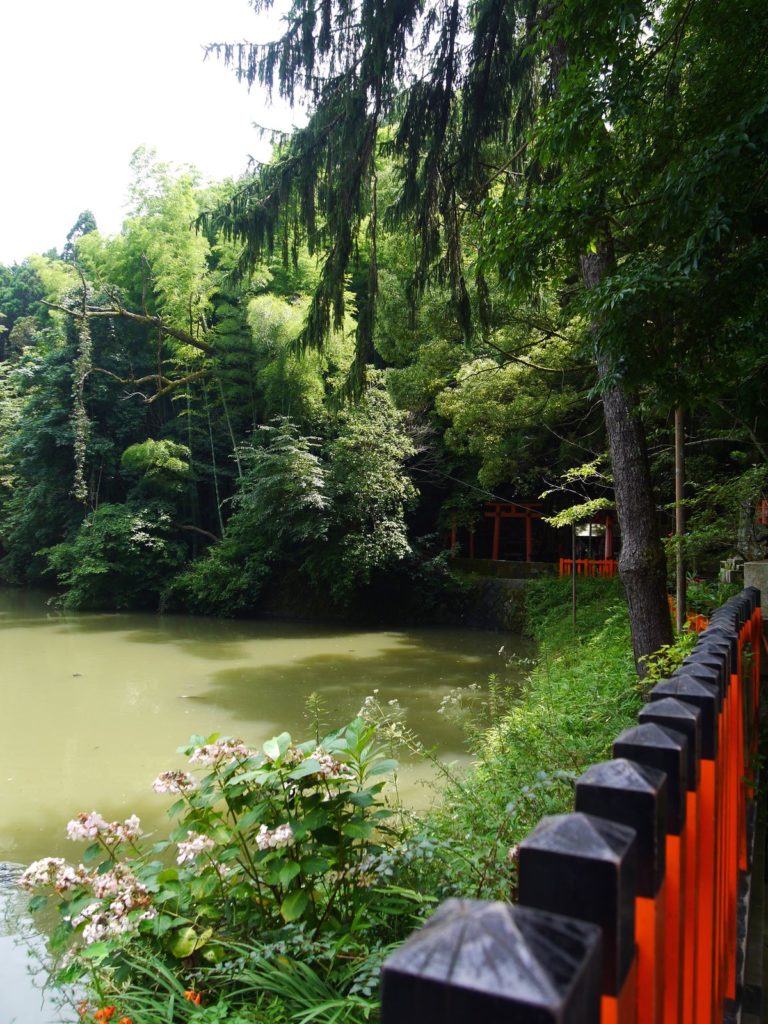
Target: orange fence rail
628, 906
589, 567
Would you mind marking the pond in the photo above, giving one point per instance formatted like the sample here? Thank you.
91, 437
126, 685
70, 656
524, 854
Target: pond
94, 706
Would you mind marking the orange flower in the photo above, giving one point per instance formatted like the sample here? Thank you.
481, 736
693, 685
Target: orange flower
192, 996
104, 1014
125, 1020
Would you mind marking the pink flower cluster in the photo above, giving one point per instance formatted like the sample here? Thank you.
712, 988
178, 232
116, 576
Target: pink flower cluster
93, 826
53, 871
106, 920
275, 839
174, 782
193, 846
213, 754
121, 902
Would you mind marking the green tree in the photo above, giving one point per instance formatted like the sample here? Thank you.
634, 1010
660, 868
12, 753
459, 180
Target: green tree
583, 133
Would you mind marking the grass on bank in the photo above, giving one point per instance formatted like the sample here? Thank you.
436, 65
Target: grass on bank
579, 695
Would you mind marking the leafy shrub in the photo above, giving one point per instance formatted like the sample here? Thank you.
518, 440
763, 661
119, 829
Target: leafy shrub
703, 596
161, 467
275, 877
334, 513
120, 557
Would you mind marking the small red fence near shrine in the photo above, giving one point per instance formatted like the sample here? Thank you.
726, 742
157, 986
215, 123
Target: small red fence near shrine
589, 567
628, 907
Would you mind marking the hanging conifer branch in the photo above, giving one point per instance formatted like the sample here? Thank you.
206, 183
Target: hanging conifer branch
356, 62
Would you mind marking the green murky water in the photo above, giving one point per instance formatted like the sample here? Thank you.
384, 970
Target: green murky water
94, 706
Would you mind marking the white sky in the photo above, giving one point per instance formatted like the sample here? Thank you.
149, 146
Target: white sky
83, 83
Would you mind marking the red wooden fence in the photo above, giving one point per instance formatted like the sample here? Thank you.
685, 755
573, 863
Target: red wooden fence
589, 567
627, 907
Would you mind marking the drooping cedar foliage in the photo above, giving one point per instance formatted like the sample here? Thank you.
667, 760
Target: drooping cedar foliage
441, 89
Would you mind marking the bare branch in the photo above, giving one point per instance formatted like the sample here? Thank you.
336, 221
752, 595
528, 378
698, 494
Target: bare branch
141, 318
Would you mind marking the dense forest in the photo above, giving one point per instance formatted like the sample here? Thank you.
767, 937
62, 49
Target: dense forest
516, 253
495, 272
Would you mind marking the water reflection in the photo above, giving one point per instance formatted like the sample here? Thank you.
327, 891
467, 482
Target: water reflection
94, 707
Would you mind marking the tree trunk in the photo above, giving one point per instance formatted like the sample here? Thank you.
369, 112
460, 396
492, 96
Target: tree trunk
642, 565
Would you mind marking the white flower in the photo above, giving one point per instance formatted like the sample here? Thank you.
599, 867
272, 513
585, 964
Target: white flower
274, 840
93, 826
86, 826
111, 882
53, 871
174, 782
194, 845
105, 918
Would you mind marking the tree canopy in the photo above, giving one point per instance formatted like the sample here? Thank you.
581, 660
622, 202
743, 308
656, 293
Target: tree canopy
516, 236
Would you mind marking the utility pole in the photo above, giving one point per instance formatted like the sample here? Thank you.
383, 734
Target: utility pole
679, 517
573, 574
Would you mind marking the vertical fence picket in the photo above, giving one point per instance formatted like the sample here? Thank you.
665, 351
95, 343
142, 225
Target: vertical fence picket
686, 719
636, 795
586, 867
667, 749
706, 698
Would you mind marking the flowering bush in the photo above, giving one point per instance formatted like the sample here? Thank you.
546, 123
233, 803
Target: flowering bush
278, 850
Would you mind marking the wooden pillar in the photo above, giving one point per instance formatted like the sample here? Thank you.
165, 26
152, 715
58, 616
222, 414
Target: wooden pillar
471, 542
528, 537
586, 867
496, 534
636, 795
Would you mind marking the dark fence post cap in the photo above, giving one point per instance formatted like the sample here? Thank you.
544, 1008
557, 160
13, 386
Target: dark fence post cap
662, 748
685, 718
635, 795
707, 697
704, 674
585, 867
753, 593
713, 658
476, 960
721, 634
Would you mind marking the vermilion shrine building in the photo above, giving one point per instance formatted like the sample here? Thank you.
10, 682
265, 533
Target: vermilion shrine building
514, 531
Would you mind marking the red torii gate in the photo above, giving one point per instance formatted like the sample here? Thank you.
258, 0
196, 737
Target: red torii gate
498, 510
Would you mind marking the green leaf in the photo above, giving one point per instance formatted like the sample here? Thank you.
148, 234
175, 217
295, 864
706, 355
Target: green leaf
168, 875
288, 872
37, 903
382, 767
163, 923
294, 905
314, 865
92, 853
277, 746
184, 943
251, 817
357, 829
97, 951
206, 885
307, 767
